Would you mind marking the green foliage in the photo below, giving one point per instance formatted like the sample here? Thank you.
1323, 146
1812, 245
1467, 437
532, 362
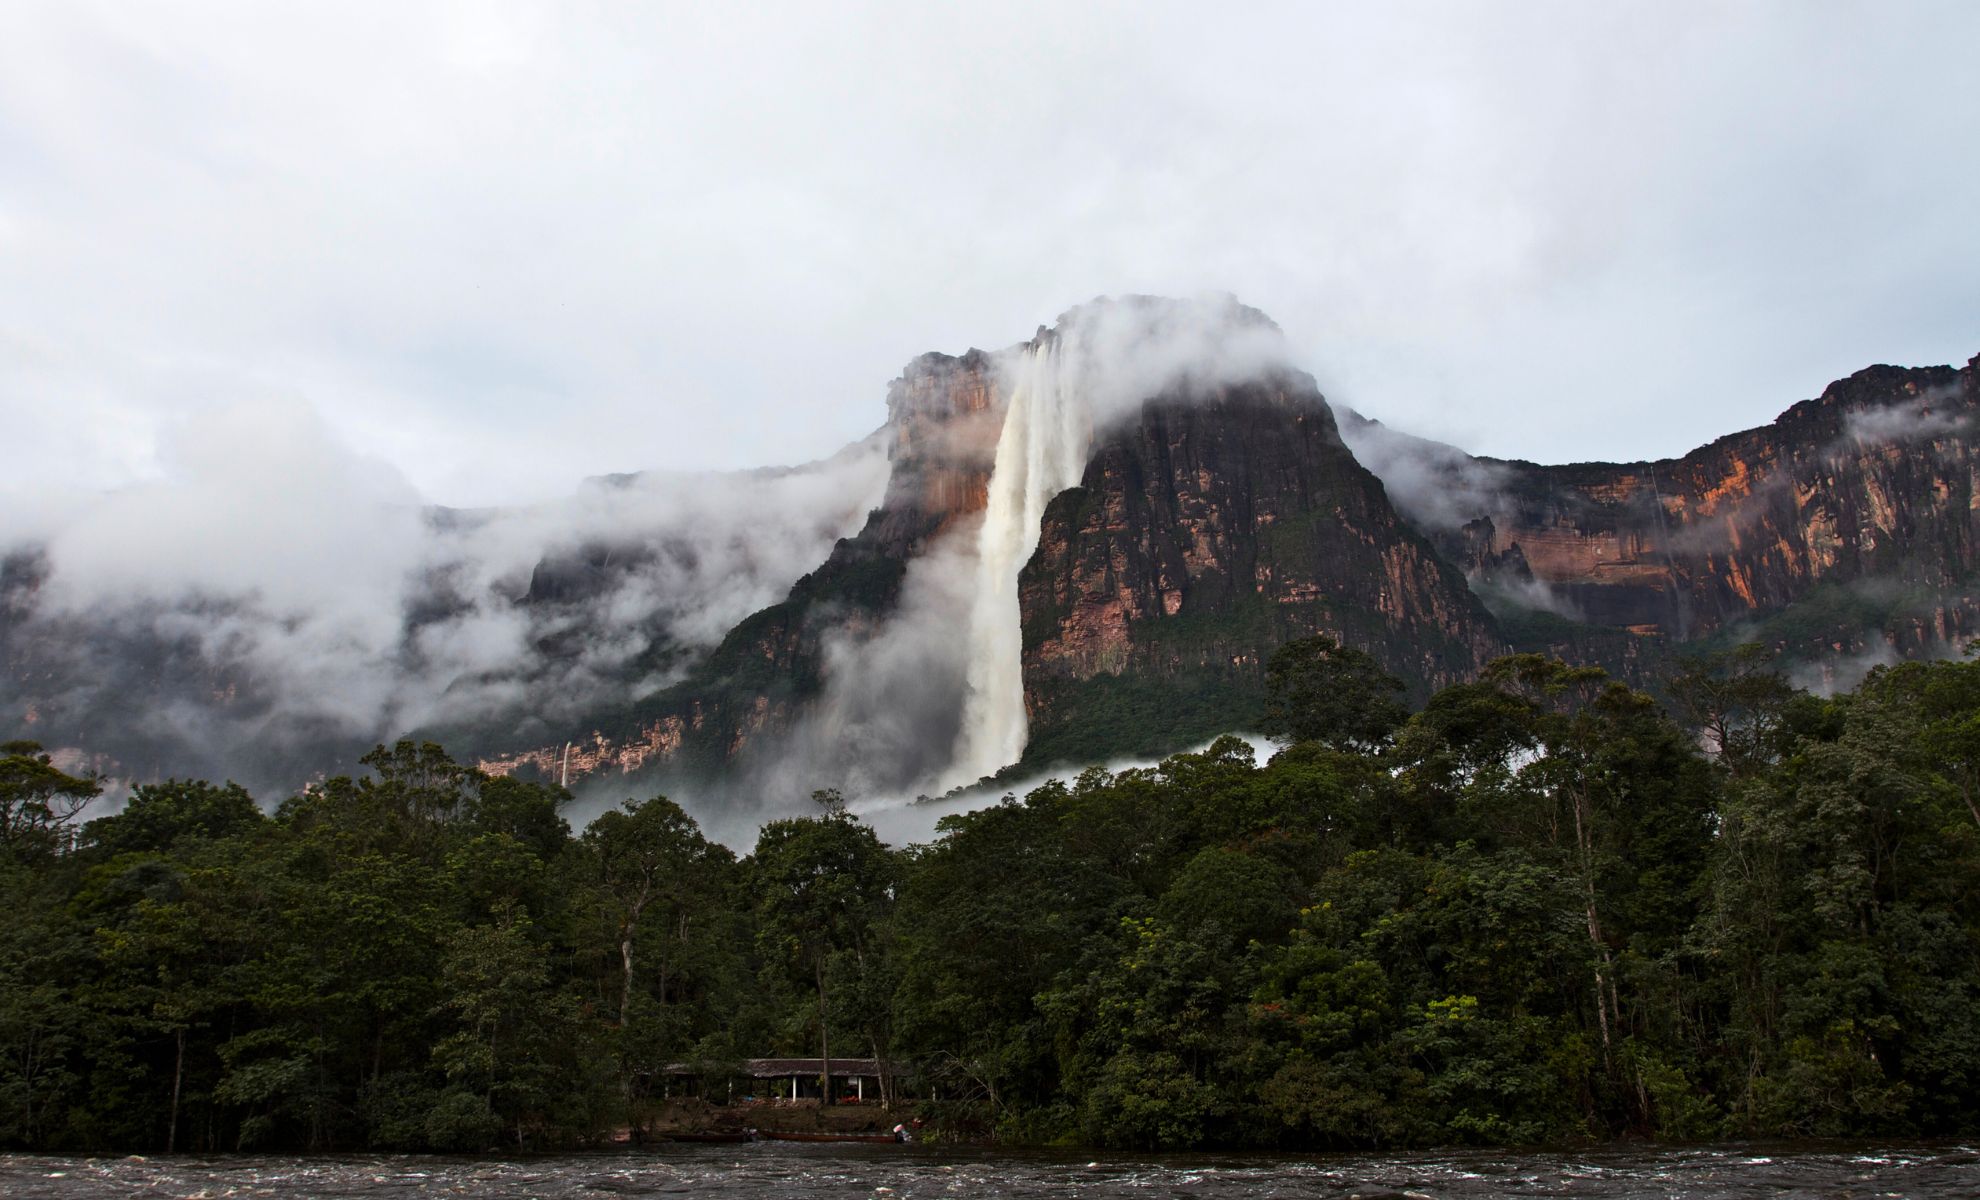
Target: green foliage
1317, 690
461, 1121
161, 816
1736, 700
825, 893
1832, 612
1538, 909
38, 803
1110, 716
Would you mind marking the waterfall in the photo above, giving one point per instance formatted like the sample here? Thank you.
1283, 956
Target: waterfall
1040, 453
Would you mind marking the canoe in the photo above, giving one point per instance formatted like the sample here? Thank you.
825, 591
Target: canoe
780, 1135
718, 1135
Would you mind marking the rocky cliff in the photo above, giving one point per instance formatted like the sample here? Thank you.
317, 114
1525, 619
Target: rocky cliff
1846, 525
1206, 532
735, 707
1212, 525
1213, 522
1222, 510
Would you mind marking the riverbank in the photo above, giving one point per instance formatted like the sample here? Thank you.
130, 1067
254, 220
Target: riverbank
700, 1116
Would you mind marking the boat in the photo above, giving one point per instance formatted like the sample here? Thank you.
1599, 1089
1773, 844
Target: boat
784, 1135
714, 1135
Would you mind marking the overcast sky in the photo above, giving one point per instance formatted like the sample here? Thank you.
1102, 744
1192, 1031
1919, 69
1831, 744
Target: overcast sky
501, 247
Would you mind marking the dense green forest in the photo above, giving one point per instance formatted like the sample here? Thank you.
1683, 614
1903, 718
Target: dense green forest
1533, 910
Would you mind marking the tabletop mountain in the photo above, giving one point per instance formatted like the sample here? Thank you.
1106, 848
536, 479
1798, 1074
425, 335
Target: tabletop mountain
1086, 545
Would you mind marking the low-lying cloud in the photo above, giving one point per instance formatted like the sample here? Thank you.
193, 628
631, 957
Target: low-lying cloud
1435, 485
1123, 351
275, 589
1927, 416
897, 697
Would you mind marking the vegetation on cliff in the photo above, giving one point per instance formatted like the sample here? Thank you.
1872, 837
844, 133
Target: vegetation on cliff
1534, 909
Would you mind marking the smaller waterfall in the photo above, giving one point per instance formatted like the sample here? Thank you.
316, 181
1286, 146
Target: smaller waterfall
1041, 452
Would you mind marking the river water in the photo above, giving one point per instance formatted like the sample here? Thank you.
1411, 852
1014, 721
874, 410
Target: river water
786, 1170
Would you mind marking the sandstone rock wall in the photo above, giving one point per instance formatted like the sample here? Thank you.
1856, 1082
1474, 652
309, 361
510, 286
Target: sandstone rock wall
943, 417
1208, 531
1872, 487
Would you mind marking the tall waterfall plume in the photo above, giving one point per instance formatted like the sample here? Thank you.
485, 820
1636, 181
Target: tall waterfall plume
1041, 452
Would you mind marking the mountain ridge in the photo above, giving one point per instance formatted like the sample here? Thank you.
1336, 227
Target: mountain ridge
1221, 511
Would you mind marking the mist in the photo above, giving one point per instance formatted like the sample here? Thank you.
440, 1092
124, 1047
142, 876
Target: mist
275, 592
1436, 486
1918, 419
934, 699
903, 821
930, 697
275, 600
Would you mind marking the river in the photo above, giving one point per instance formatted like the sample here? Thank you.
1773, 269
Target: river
784, 1170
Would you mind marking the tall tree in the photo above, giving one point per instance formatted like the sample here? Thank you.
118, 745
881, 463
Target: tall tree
825, 883
39, 803
1321, 691
1735, 699
648, 857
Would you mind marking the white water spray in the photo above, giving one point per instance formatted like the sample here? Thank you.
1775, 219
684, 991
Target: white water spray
1041, 452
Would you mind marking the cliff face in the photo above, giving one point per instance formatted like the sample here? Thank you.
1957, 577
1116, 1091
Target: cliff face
945, 414
1211, 523
1848, 521
1203, 535
943, 417
1206, 530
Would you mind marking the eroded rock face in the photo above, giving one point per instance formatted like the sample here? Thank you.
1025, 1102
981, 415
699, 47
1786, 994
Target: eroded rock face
1205, 533
944, 414
1207, 529
1876, 480
943, 417
1862, 501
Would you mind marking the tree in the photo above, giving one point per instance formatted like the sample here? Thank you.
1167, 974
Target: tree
1941, 703
989, 915
654, 886
825, 884
163, 960
38, 803
527, 812
648, 855
160, 815
1321, 691
44, 1024
511, 1021
414, 799
1735, 699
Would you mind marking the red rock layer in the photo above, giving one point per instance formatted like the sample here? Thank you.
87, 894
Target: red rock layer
1874, 484
1208, 531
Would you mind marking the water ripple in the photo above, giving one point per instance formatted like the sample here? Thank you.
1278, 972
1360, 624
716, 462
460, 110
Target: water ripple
1857, 1172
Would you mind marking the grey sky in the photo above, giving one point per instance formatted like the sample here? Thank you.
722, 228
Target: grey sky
501, 247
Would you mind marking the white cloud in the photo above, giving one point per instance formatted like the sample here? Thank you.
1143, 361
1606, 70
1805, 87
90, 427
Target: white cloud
264, 553
508, 245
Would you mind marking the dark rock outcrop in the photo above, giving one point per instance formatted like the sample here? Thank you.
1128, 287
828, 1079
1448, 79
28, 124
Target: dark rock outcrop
1206, 532
943, 417
1848, 521
1211, 524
